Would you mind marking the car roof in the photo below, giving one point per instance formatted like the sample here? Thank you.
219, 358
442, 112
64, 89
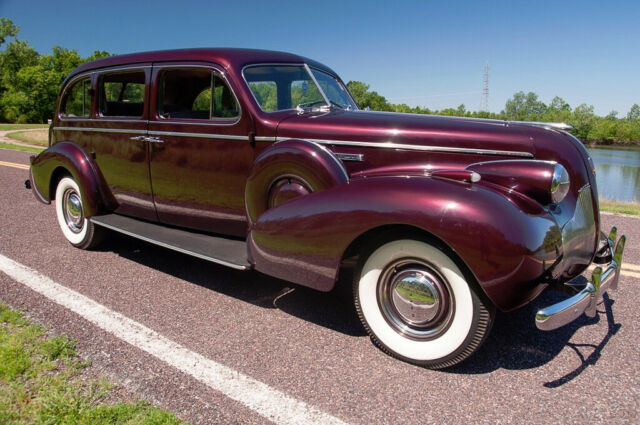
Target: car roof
227, 57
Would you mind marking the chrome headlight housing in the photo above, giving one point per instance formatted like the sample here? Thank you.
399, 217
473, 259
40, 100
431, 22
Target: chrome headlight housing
559, 183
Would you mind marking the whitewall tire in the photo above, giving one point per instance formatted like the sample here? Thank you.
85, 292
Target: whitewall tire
78, 230
417, 305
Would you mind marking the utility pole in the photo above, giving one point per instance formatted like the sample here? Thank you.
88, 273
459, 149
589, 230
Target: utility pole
484, 102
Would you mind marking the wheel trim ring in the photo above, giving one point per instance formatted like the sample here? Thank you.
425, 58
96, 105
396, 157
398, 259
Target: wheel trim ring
433, 328
72, 210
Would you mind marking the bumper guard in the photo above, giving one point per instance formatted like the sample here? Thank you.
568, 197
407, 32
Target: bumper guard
585, 301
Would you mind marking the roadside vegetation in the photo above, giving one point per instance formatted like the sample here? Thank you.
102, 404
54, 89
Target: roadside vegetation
41, 382
35, 137
7, 127
631, 208
20, 147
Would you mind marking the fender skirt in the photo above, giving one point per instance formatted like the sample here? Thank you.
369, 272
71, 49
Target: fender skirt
507, 246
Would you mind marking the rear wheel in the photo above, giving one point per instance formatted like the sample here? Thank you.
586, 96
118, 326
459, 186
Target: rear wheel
417, 305
78, 230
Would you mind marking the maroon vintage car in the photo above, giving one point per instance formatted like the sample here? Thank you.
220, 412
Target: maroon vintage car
262, 160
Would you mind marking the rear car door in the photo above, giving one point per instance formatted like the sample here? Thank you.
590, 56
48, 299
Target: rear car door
119, 137
200, 154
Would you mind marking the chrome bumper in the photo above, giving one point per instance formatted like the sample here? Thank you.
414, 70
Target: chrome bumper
585, 301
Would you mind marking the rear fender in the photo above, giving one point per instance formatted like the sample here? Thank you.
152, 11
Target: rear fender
505, 247
69, 158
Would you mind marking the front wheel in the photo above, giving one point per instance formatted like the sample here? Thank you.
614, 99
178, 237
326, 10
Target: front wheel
416, 304
79, 231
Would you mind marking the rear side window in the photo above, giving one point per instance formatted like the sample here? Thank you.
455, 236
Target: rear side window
122, 94
77, 101
195, 93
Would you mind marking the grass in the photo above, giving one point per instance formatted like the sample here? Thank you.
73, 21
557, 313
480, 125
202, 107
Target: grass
41, 382
36, 137
20, 148
631, 208
21, 126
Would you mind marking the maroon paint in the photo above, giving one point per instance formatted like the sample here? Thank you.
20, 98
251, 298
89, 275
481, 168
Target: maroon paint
499, 227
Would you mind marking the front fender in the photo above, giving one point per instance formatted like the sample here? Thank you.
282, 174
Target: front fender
70, 158
505, 244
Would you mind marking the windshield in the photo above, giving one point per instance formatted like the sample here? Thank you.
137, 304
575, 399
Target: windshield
282, 87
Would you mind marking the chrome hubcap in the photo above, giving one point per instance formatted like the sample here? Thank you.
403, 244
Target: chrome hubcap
415, 299
72, 208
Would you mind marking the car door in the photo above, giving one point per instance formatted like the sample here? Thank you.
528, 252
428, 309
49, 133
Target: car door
118, 138
200, 154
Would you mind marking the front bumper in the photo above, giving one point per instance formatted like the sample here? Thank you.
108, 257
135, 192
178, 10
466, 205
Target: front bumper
585, 301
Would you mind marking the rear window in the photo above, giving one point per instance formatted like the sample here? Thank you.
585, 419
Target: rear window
77, 101
122, 94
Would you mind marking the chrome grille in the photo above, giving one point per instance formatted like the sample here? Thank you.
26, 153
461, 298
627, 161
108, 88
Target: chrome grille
579, 233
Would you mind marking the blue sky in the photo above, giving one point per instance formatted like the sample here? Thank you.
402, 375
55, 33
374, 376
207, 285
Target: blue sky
424, 53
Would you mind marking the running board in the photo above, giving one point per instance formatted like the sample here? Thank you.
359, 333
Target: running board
228, 252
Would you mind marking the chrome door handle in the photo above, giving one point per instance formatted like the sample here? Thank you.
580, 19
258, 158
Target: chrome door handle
153, 140
137, 138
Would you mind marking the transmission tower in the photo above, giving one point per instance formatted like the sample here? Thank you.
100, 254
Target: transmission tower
484, 102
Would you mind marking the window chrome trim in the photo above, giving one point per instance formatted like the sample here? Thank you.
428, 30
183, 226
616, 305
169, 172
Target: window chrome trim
70, 83
209, 121
344, 86
401, 146
313, 77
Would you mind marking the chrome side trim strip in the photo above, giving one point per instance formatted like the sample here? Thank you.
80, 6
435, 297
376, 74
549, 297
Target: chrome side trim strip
555, 125
203, 135
265, 138
159, 133
350, 157
392, 145
97, 221
101, 130
337, 161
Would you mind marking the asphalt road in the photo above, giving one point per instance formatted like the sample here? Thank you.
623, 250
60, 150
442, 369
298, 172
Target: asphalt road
310, 345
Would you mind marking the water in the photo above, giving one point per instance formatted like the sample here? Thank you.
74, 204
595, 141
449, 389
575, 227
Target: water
617, 173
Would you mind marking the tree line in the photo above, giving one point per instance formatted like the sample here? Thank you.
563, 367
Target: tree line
587, 126
30, 82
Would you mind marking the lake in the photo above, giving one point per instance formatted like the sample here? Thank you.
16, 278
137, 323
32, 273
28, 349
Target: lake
617, 172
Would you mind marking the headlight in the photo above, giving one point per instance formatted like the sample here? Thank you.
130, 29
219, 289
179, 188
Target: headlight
559, 183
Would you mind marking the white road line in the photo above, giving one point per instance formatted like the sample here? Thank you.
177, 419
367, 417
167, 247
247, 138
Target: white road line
257, 396
630, 266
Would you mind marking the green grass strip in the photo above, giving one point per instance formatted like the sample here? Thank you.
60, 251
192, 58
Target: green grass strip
20, 147
631, 208
21, 126
41, 383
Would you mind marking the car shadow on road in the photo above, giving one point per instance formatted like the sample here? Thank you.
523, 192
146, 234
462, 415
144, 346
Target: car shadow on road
514, 342
333, 310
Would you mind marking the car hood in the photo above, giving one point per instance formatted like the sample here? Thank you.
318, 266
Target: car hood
375, 128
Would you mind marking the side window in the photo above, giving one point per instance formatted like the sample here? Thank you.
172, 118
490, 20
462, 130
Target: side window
77, 101
266, 93
122, 94
195, 93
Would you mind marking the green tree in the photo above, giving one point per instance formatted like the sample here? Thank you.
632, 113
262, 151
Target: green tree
524, 107
634, 112
582, 120
366, 98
